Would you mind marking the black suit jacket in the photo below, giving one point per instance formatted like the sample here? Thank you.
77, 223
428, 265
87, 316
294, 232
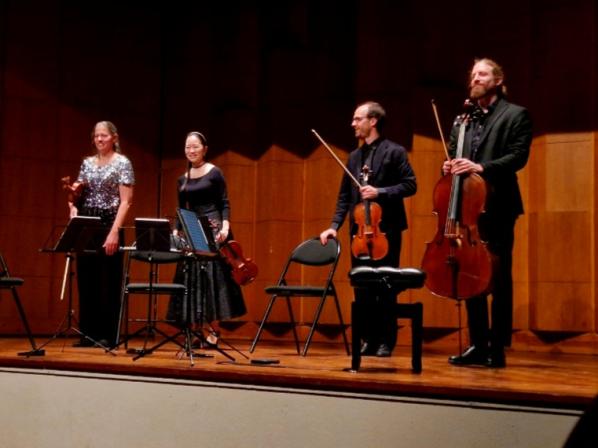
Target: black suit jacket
503, 150
391, 174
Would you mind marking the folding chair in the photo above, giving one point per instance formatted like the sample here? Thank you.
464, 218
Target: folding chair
152, 288
8, 282
311, 252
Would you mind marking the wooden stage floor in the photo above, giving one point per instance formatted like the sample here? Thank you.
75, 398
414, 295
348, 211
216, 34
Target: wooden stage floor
531, 379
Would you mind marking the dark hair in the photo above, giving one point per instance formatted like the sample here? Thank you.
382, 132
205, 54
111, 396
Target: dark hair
497, 71
111, 128
200, 136
375, 110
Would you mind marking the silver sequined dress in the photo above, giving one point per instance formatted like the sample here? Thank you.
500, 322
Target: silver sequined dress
101, 193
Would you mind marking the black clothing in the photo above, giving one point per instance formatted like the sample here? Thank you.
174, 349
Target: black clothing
99, 276
394, 178
219, 297
500, 142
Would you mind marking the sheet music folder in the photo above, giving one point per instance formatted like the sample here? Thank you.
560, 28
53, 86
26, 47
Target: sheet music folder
198, 232
152, 234
82, 234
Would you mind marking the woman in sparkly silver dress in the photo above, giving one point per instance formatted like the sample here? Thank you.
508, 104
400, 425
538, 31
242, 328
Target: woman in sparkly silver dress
108, 179
203, 189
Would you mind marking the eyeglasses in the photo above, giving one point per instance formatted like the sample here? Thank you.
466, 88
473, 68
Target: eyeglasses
359, 118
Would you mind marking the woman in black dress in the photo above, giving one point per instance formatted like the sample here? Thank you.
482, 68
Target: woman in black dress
202, 189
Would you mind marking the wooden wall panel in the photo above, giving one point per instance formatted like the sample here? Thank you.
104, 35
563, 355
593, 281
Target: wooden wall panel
279, 217
561, 271
561, 274
521, 275
322, 181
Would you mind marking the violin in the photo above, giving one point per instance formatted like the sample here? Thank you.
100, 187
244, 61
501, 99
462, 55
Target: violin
244, 270
457, 262
73, 190
369, 242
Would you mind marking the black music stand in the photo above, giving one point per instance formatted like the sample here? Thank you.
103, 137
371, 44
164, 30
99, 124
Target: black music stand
201, 249
152, 245
201, 240
152, 234
83, 234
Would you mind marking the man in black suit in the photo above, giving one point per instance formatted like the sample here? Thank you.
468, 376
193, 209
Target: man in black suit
496, 145
391, 180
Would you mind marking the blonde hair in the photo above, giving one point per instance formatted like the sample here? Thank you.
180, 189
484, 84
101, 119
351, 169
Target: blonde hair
111, 129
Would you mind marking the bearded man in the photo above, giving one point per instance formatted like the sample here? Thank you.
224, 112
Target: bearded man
496, 145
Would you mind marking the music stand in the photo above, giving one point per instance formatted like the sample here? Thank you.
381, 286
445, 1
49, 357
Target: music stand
82, 234
201, 240
152, 245
201, 247
152, 234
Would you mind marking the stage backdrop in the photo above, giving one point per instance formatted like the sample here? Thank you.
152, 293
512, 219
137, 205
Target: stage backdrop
255, 78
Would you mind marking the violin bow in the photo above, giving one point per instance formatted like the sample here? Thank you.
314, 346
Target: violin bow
340, 162
440, 130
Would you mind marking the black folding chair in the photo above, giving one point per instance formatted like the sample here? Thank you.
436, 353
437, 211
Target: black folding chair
152, 289
311, 252
12, 283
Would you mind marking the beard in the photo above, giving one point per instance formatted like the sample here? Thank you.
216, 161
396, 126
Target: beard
477, 92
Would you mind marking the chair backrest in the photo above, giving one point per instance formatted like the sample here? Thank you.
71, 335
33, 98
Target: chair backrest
313, 253
3, 267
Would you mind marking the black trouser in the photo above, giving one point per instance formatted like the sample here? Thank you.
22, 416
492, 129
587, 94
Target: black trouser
379, 320
499, 233
99, 281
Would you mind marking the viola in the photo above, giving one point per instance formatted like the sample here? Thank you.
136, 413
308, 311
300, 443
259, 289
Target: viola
244, 270
457, 262
369, 241
73, 190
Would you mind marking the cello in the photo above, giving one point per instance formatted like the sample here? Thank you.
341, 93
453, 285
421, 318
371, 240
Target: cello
369, 242
457, 262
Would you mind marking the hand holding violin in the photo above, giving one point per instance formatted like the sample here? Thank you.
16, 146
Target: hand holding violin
368, 192
73, 191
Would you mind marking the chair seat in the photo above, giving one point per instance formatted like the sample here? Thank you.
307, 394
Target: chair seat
397, 280
400, 278
292, 290
158, 288
157, 257
9, 282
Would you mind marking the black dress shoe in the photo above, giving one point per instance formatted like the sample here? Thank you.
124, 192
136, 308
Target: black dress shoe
384, 351
472, 355
496, 359
368, 349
